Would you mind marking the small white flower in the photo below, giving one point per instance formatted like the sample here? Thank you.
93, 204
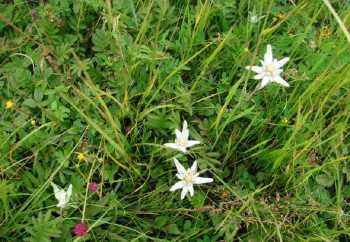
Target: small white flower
270, 71
61, 195
313, 44
181, 141
255, 19
188, 178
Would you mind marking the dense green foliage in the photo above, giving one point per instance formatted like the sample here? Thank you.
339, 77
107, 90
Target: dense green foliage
111, 80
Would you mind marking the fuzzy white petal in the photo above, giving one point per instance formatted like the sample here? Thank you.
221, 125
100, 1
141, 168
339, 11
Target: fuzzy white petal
180, 176
259, 76
190, 189
178, 134
268, 57
174, 146
282, 62
61, 204
69, 192
192, 143
179, 167
183, 149
201, 180
185, 134
56, 189
184, 192
278, 71
194, 167
266, 80
60, 194
257, 69
184, 125
177, 185
185, 131
281, 81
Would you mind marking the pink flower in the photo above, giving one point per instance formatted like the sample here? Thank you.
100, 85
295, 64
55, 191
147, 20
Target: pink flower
92, 186
80, 229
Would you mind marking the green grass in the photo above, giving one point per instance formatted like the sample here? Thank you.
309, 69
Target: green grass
112, 80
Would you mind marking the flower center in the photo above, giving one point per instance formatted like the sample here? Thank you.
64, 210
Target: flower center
270, 69
181, 142
188, 178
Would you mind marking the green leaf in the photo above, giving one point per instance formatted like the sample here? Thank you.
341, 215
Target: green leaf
43, 228
324, 180
173, 229
160, 221
198, 199
29, 103
346, 171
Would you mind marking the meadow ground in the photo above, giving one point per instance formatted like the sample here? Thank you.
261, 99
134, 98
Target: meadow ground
92, 90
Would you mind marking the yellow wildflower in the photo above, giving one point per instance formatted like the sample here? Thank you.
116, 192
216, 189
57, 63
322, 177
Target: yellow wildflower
281, 15
81, 156
285, 120
9, 104
325, 32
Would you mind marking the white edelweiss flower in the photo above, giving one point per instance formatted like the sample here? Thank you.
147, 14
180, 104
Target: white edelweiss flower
270, 71
188, 178
181, 141
61, 195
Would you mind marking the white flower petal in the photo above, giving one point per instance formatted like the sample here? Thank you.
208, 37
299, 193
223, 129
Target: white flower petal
61, 204
201, 180
180, 176
266, 80
257, 69
179, 167
174, 146
177, 185
191, 143
184, 192
185, 131
259, 76
282, 62
278, 72
56, 189
182, 149
281, 81
268, 57
190, 189
178, 134
194, 167
60, 194
184, 125
69, 192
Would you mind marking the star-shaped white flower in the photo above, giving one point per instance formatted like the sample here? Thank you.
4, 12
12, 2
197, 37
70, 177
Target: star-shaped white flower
270, 71
181, 141
61, 195
188, 178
